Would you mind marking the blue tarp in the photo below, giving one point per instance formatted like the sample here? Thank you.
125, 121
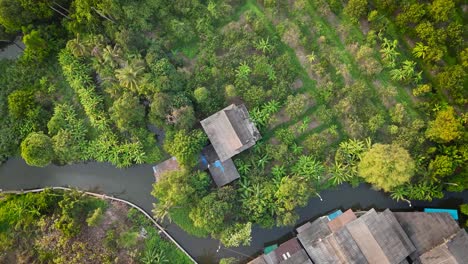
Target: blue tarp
452, 212
218, 164
334, 215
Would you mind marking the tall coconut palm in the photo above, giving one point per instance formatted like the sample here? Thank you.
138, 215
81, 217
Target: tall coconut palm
96, 46
130, 76
161, 211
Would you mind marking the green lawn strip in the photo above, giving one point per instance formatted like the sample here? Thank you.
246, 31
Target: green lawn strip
315, 130
405, 54
180, 216
337, 78
345, 57
384, 76
271, 132
308, 84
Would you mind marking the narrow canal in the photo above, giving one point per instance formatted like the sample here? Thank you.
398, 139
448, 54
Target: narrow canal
134, 184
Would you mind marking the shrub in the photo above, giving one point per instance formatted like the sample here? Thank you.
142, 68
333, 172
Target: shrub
37, 149
355, 9
128, 239
95, 218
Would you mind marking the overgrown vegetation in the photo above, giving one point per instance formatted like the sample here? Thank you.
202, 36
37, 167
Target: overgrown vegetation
69, 227
342, 92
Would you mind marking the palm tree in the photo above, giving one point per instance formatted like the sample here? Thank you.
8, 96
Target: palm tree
271, 73
278, 171
272, 106
399, 193
263, 161
408, 69
397, 74
420, 50
96, 46
77, 47
112, 55
131, 76
243, 168
304, 125
161, 211
308, 167
389, 53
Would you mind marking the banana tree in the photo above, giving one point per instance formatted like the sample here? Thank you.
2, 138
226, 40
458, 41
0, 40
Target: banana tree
339, 173
264, 45
400, 193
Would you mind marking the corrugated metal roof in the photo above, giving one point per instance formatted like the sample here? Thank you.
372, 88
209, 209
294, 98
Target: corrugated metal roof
165, 166
425, 230
340, 220
458, 246
230, 131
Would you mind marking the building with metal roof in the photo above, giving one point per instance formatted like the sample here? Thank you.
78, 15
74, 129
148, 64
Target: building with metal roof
378, 237
170, 164
427, 230
230, 131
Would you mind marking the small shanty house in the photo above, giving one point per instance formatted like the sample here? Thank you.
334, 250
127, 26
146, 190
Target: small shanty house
230, 132
172, 164
165, 166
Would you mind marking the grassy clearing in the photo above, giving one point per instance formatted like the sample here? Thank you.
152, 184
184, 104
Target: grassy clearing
180, 216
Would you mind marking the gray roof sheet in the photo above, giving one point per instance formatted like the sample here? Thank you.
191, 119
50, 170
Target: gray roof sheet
221, 172
458, 246
313, 231
165, 166
230, 131
425, 230
299, 257
384, 228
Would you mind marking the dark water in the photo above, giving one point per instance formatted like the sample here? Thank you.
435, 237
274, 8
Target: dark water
11, 51
134, 184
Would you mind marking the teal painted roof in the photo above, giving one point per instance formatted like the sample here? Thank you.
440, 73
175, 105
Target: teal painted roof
452, 212
334, 214
270, 248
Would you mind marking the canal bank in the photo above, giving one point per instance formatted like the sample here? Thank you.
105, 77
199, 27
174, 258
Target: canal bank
134, 184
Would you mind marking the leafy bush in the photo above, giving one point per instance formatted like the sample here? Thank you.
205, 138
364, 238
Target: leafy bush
128, 239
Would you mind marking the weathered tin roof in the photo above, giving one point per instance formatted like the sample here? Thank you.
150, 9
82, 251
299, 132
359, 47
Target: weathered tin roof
230, 131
